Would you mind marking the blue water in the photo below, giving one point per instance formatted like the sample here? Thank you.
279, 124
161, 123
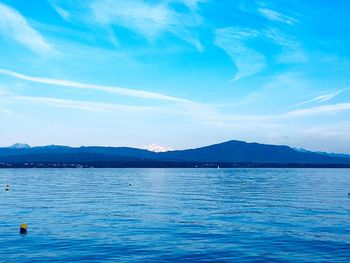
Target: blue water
188, 215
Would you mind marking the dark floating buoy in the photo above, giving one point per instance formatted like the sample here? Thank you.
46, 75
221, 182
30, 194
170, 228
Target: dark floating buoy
130, 185
23, 229
7, 187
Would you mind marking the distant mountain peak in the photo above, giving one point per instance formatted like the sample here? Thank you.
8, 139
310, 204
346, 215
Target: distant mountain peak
20, 146
231, 153
157, 148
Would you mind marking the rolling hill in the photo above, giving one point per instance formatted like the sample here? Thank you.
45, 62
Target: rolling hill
226, 154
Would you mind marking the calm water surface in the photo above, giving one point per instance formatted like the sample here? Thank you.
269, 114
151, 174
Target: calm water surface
226, 215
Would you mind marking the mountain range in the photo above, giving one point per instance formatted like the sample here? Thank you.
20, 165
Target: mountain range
227, 154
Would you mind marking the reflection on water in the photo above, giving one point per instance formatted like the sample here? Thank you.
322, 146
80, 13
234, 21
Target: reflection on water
157, 215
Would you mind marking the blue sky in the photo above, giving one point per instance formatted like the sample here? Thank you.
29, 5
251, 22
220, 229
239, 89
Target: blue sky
175, 74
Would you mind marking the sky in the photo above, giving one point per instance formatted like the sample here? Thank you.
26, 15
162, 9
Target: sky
175, 74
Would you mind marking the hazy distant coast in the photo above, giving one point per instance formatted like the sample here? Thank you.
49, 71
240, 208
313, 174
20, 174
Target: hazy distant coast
227, 154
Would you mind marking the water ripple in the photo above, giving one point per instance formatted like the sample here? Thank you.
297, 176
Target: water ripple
162, 215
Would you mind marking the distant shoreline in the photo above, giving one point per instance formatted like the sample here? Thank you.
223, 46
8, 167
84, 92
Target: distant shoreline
168, 165
230, 154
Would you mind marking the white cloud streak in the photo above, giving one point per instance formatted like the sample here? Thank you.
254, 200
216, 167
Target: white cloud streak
14, 26
202, 112
308, 112
276, 16
270, 119
109, 89
302, 113
149, 19
320, 110
83, 105
6, 112
322, 98
292, 51
193, 4
233, 42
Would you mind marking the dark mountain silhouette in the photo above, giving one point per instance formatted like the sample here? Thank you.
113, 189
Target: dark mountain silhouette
242, 152
227, 154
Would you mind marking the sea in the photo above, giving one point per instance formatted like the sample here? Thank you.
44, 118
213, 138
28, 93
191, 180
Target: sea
175, 215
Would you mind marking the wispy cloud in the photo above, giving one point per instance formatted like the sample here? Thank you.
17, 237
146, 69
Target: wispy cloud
302, 113
206, 113
248, 60
233, 42
110, 89
292, 51
59, 9
321, 98
276, 16
146, 18
14, 26
192, 4
320, 110
270, 119
6, 112
83, 105
4, 92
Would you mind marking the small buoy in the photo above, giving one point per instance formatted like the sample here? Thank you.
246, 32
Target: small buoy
7, 187
23, 229
129, 184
